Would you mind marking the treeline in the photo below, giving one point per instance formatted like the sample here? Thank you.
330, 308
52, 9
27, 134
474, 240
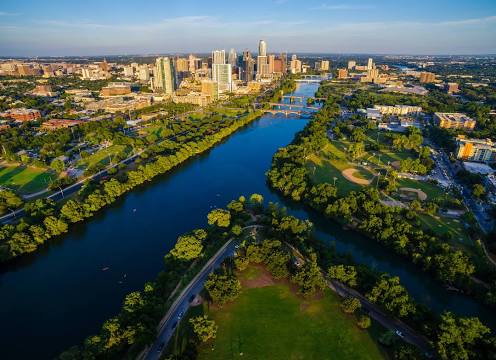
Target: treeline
387, 225
27, 236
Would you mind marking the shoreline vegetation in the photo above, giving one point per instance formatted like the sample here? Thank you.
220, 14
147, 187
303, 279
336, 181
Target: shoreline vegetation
286, 247
50, 220
363, 211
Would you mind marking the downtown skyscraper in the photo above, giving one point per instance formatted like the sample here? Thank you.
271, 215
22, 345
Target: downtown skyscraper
164, 79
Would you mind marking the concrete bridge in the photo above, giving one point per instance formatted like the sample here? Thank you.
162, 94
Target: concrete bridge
313, 78
289, 113
295, 98
292, 106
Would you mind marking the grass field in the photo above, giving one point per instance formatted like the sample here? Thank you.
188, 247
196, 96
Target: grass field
24, 179
159, 130
329, 163
103, 156
432, 191
271, 322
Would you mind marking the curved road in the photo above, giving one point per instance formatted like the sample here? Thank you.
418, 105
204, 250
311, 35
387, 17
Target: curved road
179, 307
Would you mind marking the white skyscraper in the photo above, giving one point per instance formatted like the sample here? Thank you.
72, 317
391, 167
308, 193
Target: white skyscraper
262, 48
222, 74
370, 64
232, 58
218, 57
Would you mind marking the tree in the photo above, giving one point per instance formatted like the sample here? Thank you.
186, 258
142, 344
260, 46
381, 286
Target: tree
222, 288
189, 247
8, 201
219, 217
364, 322
350, 305
236, 230
389, 293
457, 337
241, 262
204, 328
256, 199
57, 165
55, 226
356, 150
478, 191
309, 278
346, 274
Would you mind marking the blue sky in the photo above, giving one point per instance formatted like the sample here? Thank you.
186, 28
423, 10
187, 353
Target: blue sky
104, 27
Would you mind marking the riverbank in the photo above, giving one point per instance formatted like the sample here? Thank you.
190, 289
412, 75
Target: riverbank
17, 241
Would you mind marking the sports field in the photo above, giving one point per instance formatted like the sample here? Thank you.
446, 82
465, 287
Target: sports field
271, 322
24, 179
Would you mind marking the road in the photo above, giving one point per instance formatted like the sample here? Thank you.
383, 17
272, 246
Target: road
408, 334
179, 307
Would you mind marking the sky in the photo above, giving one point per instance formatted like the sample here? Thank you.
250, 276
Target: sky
105, 27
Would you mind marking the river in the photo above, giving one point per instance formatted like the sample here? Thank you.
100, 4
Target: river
55, 298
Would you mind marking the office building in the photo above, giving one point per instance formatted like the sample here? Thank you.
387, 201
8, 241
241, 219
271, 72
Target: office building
218, 57
479, 150
115, 89
182, 65
223, 76
351, 64
232, 58
22, 114
324, 65
210, 88
454, 121
271, 63
248, 71
342, 74
164, 79
284, 61
398, 110
295, 65
427, 77
144, 73
452, 88
262, 48
262, 66
370, 64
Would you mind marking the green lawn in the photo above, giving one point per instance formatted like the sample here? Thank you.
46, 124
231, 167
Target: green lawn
24, 179
442, 225
328, 164
433, 191
273, 323
103, 156
160, 131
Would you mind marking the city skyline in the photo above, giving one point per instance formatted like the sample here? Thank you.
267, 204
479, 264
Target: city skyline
33, 28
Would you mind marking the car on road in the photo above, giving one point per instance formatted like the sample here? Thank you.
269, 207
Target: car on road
180, 315
160, 347
399, 333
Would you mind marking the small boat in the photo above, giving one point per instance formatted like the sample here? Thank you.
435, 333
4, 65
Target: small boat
105, 268
134, 210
